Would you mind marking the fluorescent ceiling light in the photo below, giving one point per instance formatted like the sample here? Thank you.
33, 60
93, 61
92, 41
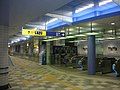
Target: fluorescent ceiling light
83, 40
62, 38
84, 8
110, 31
93, 33
112, 23
100, 39
80, 35
67, 37
61, 17
71, 29
62, 31
23, 38
105, 2
70, 37
12, 42
73, 41
91, 5
110, 38
55, 39
77, 41
52, 20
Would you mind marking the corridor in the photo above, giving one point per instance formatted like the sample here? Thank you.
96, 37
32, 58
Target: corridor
28, 75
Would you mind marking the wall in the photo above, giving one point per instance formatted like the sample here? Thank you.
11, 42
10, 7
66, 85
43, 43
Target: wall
102, 48
108, 48
82, 48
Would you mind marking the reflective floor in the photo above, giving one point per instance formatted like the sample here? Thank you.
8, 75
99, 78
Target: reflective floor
28, 75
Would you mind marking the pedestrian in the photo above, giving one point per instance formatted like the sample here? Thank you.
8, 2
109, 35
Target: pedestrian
115, 68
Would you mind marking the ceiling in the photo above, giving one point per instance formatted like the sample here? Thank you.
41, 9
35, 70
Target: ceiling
16, 13
32, 12
21, 15
103, 27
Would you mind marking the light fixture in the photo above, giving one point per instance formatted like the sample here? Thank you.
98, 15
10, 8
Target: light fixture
79, 40
52, 20
110, 31
105, 2
84, 8
73, 41
100, 39
27, 44
92, 33
12, 42
93, 24
18, 40
54, 39
110, 38
62, 31
71, 29
70, 37
80, 35
8, 45
112, 23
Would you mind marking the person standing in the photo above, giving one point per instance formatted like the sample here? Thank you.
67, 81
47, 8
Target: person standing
114, 67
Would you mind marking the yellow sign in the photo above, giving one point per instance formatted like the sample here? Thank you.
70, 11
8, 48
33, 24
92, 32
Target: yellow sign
33, 32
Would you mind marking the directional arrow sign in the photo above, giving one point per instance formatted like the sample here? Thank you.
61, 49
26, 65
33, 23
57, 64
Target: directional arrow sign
59, 34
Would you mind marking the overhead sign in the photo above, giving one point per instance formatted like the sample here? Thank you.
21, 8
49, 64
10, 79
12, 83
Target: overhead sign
33, 32
59, 34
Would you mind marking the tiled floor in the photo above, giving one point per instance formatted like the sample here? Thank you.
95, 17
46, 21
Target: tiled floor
28, 75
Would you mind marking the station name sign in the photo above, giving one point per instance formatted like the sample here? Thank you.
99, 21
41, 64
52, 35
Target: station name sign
33, 32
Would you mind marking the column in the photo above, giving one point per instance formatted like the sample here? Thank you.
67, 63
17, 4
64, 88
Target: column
48, 53
30, 49
21, 49
91, 55
3, 57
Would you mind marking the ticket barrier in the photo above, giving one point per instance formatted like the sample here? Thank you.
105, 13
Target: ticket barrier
78, 61
104, 65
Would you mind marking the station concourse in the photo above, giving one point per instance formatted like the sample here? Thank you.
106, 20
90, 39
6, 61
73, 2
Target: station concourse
59, 45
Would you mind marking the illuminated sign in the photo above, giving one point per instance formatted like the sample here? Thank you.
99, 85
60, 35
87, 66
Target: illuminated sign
33, 32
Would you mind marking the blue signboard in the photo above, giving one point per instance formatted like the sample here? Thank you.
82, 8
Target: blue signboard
59, 34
